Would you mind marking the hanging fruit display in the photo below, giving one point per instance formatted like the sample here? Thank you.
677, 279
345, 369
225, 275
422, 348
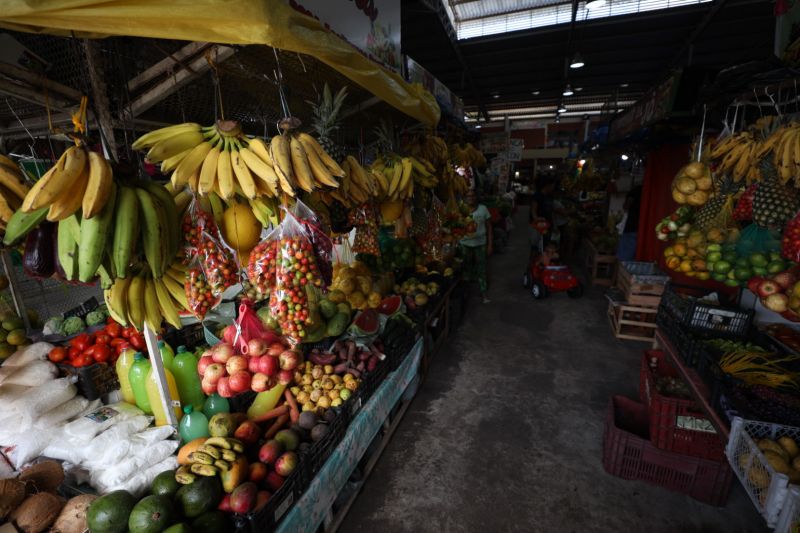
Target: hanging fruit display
692, 185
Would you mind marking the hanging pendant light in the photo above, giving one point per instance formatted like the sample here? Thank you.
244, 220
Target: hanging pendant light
561, 108
577, 61
568, 90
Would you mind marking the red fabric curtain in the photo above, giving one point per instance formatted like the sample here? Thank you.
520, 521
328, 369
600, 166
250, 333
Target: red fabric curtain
660, 168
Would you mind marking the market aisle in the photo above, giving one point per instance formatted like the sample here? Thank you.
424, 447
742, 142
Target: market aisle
506, 434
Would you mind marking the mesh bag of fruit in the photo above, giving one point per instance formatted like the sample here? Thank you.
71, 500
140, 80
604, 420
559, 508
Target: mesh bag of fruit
755, 239
744, 206
198, 292
219, 264
197, 221
791, 240
263, 262
323, 246
290, 303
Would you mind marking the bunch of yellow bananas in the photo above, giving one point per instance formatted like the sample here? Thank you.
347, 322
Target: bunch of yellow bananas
740, 153
467, 156
142, 298
80, 179
359, 185
220, 158
403, 174
431, 148
13, 189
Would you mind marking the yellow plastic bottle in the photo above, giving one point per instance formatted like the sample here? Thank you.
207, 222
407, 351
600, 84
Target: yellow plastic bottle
155, 398
123, 368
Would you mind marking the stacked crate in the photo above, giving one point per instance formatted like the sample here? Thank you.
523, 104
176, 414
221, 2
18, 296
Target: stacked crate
633, 316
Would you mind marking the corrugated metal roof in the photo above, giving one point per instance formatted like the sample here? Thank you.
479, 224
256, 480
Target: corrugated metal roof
473, 9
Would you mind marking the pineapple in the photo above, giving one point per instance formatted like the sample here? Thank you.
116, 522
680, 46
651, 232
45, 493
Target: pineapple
385, 134
773, 202
716, 212
326, 120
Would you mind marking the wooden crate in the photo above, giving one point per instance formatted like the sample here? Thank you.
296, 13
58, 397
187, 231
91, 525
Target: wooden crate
632, 322
637, 292
599, 267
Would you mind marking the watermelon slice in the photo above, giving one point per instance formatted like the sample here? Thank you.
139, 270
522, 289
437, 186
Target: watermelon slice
366, 323
391, 305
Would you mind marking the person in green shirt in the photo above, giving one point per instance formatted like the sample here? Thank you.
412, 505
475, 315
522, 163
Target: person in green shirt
477, 246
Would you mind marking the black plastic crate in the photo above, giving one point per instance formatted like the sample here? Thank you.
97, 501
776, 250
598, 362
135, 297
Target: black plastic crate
704, 317
268, 517
190, 336
371, 381
93, 380
320, 451
682, 339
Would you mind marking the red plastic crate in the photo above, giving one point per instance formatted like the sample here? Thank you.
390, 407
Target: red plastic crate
629, 454
669, 417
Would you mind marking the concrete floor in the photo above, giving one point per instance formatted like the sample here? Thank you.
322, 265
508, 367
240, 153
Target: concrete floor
506, 433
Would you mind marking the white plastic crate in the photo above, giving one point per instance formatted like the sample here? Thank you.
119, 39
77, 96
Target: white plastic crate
789, 520
767, 488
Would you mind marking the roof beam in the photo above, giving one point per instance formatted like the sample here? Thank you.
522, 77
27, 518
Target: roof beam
166, 64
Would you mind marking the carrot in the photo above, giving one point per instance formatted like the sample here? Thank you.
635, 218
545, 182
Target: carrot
272, 413
276, 426
294, 412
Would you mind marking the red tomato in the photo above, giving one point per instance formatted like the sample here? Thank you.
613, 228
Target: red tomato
118, 341
57, 354
114, 329
101, 353
120, 346
81, 342
102, 338
74, 352
83, 360
137, 341
127, 332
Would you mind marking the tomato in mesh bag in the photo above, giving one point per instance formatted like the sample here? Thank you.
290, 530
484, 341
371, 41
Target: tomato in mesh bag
262, 266
219, 265
196, 222
744, 207
790, 246
323, 246
199, 294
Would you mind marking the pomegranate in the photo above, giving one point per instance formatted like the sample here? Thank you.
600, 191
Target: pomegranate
214, 372
268, 365
275, 349
289, 359
239, 381
222, 352
236, 363
256, 347
224, 388
203, 363
259, 382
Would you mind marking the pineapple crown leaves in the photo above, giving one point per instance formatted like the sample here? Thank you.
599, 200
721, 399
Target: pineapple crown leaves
384, 131
326, 110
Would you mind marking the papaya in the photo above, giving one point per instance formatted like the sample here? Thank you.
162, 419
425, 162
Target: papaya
189, 447
237, 474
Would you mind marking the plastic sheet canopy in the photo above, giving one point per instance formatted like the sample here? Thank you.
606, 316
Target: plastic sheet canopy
268, 22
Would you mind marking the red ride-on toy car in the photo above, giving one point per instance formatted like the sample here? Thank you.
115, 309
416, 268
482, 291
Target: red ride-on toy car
541, 280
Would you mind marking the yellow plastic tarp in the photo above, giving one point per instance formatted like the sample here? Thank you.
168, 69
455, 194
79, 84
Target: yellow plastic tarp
268, 22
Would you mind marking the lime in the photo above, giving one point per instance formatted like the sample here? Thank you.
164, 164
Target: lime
775, 256
776, 266
730, 257
731, 283
718, 277
731, 274
742, 262
722, 267
713, 248
743, 273
759, 271
713, 257
758, 259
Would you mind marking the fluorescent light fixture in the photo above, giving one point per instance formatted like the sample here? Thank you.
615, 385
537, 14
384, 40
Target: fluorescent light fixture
577, 61
624, 157
561, 108
623, 85
535, 93
495, 95
478, 126
568, 90
595, 4
578, 89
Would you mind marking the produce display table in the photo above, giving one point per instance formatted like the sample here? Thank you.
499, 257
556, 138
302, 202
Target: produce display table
699, 389
314, 506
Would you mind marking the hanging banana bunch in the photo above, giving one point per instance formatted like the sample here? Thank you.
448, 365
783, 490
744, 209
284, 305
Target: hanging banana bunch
13, 190
431, 148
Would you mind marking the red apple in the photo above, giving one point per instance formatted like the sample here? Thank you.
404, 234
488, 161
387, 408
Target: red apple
274, 480
767, 288
289, 359
256, 347
252, 364
214, 372
270, 451
229, 334
203, 363
268, 365
225, 504
285, 377
236, 363
275, 349
784, 279
224, 388
208, 387
248, 432
222, 352
753, 283
239, 381
286, 463
259, 382
258, 472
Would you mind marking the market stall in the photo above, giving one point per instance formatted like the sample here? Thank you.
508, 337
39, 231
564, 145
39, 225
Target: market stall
226, 319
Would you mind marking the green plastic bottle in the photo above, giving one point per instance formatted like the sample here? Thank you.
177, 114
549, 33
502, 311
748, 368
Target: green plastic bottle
138, 379
216, 404
184, 368
167, 355
194, 424
123, 368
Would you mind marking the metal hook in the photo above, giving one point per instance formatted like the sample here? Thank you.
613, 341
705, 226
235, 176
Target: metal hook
774, 103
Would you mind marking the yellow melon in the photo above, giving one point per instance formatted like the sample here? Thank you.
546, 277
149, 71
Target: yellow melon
240, 228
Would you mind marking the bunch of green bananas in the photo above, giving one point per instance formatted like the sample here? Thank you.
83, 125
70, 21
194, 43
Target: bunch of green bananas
214, 457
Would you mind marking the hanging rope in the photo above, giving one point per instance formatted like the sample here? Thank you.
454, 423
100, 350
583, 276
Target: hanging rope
79, 117
215, 76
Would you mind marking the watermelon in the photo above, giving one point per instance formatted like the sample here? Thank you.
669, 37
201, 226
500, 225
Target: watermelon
366, 323
391, 305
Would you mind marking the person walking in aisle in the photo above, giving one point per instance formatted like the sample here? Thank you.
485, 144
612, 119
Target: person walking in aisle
477, 246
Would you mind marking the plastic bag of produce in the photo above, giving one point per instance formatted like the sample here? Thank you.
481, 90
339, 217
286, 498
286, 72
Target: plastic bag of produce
755, 239
36, 401
296, 270
262, 264
199, 295
120, 472
28, 445
140, 483
91, 424
248, 327
219, 264
9, 393
65, 448
197, 221
318, 234
62, 413
33, 375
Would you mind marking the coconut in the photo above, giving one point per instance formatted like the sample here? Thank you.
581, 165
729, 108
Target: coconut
38, 512
43, 477
686, 185
12, 493
73, 516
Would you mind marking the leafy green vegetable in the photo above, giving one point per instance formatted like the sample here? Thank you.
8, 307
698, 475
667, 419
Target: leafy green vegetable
73, 325
95, 317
